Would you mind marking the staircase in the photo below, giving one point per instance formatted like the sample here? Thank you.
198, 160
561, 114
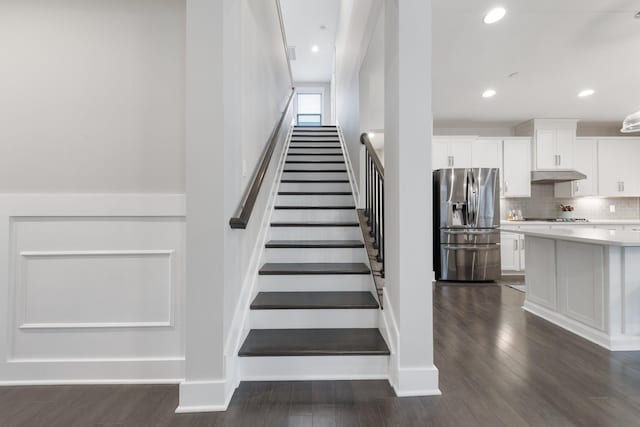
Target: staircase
314, 316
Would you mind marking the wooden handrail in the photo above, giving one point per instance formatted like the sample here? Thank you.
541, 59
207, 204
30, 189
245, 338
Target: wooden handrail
243, 214
364, 139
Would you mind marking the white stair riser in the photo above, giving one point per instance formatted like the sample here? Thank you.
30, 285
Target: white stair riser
308, 200
315, 157
316, 166
288, 368
314, 318
315, 255
313, 144
305, 215
317, 283
313, 175
310, 186
314, 151
315, 233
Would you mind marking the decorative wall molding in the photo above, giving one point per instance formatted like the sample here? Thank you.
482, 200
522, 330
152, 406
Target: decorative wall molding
137, 231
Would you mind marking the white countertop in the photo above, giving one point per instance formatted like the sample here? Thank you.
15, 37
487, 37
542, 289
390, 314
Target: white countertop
585, 235
590, 222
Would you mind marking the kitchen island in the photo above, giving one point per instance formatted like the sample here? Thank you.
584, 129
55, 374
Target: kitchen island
587, 281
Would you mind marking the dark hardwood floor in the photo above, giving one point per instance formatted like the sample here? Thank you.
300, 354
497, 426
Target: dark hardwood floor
498, 367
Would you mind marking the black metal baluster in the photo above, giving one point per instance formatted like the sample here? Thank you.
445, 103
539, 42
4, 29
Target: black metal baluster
382, 260
367, 190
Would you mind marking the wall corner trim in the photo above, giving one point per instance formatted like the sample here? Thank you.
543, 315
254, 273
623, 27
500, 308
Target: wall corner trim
416, 381
204, 396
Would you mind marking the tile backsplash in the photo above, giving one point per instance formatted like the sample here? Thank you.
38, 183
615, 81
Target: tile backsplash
543, 204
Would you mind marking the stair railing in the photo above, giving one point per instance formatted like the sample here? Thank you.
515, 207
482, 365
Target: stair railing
243, 214
374, 198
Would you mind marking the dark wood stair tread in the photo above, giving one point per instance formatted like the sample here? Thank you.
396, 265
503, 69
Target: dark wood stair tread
287, 207
316, 147
314, 193
316, 154
313, 300
282, 244
315, 170
317, 162
314, 342
313, 268
315, 181
315, 224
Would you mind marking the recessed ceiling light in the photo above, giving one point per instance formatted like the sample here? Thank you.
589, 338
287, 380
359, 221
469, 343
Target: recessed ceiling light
315, 48
371, 135
586, 92
494, 15
489, 93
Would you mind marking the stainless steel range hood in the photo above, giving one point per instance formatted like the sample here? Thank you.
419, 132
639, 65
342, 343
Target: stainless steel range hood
554, 176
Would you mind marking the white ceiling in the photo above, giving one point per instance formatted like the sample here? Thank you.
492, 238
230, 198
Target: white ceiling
302, 21
558, 47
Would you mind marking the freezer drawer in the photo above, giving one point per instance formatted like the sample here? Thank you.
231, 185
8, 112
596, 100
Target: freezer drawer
469, 263
462, 236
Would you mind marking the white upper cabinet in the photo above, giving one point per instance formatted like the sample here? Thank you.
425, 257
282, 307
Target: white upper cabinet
452, 152
586, 161
486, 153
618, 172
554, 142
566, 147
555, 148
440, 154
546, 155
516, 168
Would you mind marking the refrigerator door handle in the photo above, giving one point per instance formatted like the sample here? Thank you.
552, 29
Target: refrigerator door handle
472, 198
472, 247
467, 231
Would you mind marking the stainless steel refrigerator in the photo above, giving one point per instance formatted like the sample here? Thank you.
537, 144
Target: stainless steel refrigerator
466, 206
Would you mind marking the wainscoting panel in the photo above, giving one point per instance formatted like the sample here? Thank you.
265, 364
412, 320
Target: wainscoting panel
93, 297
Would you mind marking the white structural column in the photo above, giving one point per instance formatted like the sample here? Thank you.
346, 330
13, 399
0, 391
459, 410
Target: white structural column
408, 192
204, 385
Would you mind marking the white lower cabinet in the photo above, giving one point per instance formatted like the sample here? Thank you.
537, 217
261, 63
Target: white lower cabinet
512, 252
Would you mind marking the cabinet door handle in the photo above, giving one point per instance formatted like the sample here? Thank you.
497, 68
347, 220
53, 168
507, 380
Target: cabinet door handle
577, 187
506, 187
559, 159
515, 245
555, 160
622, 186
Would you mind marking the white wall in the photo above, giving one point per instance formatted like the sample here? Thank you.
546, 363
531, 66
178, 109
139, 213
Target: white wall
92, 96
371, 79
319, 87
357, 21
92, 228
237, 87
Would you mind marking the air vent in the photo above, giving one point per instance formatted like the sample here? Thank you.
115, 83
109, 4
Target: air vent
291, 51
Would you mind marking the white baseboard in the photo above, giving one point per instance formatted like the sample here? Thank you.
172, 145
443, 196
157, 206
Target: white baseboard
613, 343
149, 381
204, 396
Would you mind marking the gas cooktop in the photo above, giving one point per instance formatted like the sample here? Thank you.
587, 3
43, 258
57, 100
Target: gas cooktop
557, 219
